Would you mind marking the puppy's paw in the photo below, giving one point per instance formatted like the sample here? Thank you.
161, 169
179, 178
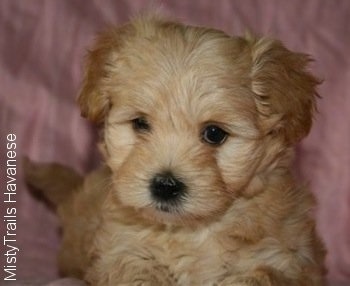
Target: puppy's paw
241, 281
263, 276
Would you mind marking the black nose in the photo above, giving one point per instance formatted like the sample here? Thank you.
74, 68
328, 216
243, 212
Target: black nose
165, 187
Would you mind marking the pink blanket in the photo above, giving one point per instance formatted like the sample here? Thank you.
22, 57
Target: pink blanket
42, 45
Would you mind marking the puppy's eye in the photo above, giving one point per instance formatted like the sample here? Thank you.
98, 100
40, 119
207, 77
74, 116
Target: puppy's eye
140, 124
214, 135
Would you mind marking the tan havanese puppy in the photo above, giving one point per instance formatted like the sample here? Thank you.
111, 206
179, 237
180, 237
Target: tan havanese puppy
198, 134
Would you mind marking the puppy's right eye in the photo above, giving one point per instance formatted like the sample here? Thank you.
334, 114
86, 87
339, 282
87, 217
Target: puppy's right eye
214, 135
140, 124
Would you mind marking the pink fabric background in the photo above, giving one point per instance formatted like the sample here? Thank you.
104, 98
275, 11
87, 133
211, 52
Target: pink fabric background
42, 45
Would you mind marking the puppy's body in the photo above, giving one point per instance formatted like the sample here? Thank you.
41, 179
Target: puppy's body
198, 136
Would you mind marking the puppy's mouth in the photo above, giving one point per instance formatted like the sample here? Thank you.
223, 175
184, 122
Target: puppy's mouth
164, 208
174, 207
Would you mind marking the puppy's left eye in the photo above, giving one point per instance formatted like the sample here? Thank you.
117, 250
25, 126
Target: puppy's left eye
140, 124
214, 135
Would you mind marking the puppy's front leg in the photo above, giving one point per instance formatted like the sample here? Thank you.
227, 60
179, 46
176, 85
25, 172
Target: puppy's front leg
264, 277
129, 270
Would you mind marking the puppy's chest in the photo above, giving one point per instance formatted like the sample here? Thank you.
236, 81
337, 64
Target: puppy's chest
191, 258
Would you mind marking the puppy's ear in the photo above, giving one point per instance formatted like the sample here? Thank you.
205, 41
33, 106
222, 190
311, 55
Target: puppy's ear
93, 99
284, 91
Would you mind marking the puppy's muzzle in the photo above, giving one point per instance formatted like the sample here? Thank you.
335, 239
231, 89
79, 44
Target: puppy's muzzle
166, 189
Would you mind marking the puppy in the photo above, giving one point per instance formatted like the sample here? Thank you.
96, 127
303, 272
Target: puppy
198, 134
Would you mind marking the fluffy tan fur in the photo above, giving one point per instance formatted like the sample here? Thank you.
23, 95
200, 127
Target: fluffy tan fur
244, 220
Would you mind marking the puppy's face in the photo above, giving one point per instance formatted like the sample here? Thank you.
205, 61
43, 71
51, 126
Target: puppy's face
192, 117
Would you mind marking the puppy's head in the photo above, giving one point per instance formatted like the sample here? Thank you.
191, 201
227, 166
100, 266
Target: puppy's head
194, 118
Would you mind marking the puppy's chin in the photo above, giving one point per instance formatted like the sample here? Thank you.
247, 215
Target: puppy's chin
167, 216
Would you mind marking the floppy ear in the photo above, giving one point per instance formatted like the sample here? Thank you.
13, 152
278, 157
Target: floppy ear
284, 91
93, 98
